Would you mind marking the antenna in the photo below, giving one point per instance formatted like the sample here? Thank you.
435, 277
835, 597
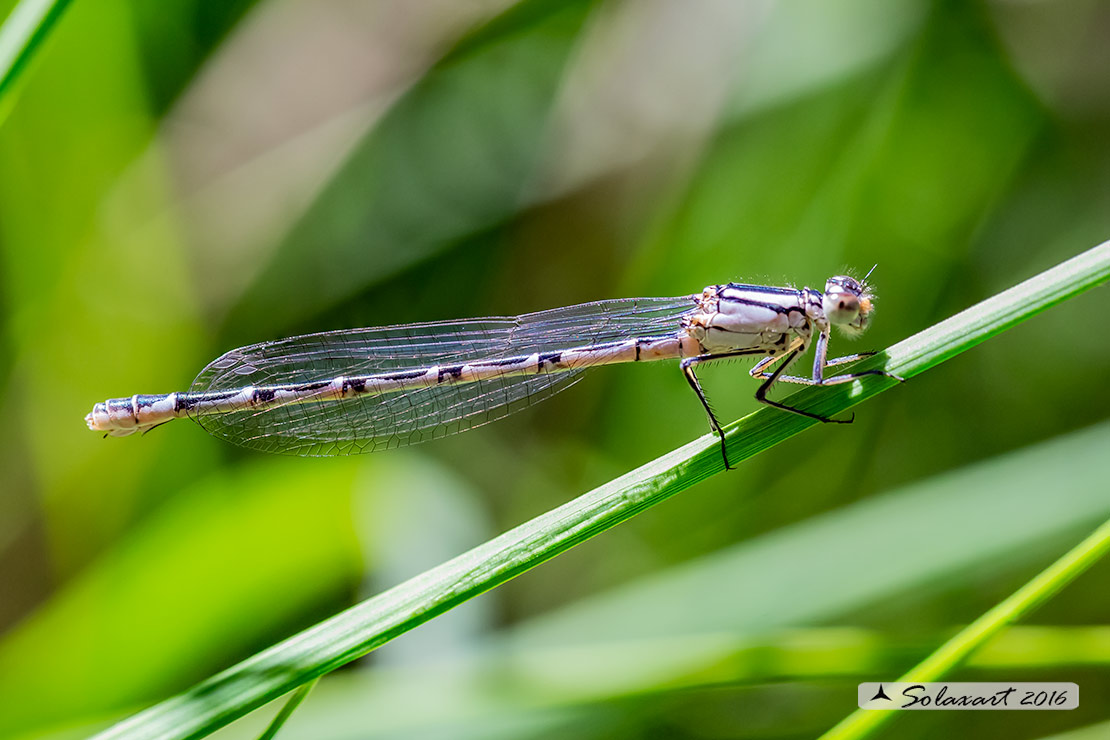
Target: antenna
869, 273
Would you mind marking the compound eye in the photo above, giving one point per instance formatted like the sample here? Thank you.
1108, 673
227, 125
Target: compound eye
841, 308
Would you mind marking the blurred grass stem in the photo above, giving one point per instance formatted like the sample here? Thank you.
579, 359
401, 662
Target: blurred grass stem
287, 710
22, 34
952, 653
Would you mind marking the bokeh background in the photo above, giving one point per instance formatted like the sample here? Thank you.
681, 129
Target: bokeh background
182, 177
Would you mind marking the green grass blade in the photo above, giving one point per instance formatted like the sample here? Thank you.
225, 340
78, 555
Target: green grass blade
20, 37
362, 628
952, 653
287, 711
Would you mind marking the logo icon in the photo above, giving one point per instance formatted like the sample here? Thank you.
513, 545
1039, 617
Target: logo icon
880, 694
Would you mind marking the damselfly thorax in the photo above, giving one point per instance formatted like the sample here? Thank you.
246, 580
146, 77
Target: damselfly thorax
360, 390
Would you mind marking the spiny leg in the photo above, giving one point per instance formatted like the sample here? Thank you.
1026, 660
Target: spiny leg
786, 357
848, 358
761, 393
820, 353
760, 371
688, 370
834, 380
760, 368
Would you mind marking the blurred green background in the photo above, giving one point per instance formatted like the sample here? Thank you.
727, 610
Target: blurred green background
182, 177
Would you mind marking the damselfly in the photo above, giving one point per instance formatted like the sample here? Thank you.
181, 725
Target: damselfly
347, 392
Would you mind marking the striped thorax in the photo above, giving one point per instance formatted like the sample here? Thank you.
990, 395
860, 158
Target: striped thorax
737, 317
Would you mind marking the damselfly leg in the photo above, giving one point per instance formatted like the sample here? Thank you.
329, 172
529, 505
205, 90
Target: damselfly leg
819, 365
848, 358
688, 366
761, 392
761, 371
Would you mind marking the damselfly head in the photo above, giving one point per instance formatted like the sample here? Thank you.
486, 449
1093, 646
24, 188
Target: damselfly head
848, 303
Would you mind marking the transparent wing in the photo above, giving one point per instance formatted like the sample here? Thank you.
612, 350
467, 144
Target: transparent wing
373, 422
